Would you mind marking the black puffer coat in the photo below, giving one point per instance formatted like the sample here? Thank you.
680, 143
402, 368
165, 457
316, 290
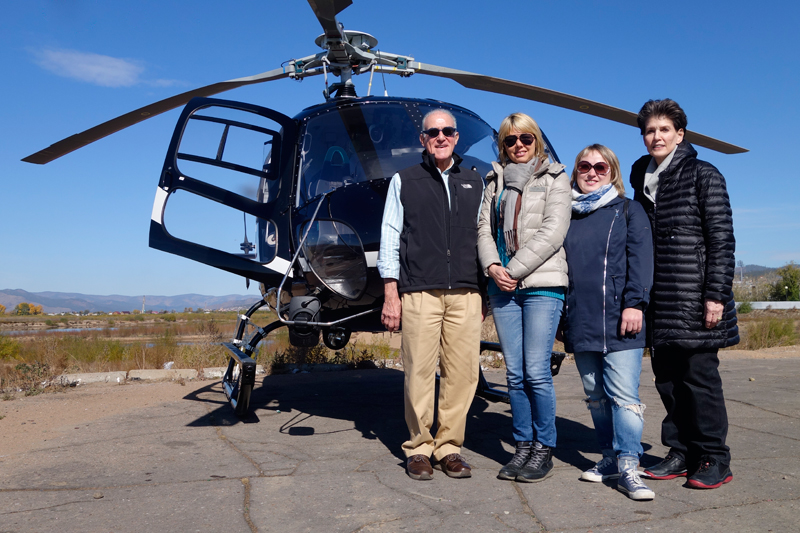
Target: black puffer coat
693, 252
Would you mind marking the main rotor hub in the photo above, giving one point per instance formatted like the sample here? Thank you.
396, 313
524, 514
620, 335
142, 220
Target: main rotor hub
358, 39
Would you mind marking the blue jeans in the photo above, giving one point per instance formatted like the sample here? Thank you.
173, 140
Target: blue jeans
526, 326
611, 382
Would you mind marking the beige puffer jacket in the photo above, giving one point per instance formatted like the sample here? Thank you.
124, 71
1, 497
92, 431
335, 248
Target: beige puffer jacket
542, 226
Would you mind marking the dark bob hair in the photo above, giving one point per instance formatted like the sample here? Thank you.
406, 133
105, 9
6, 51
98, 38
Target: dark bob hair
662, 108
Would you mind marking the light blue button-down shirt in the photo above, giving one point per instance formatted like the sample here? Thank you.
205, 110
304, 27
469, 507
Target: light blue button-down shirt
389, 256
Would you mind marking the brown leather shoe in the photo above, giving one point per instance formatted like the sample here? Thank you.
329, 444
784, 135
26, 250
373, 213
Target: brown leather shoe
419, 467
454, 465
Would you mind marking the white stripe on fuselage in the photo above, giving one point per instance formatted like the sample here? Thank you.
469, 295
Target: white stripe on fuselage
158, 205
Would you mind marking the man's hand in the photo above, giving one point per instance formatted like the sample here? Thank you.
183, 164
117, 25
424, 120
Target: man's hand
714, 310
631, 323
392, 306
500, 276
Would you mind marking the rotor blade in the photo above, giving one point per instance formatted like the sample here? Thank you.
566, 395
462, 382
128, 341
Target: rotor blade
554, 98
326, 11
79, 140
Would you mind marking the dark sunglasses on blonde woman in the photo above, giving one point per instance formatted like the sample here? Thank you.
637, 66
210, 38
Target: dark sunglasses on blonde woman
526, 139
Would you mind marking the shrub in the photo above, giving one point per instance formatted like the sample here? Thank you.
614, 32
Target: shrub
744, 308
9, 348
769, 332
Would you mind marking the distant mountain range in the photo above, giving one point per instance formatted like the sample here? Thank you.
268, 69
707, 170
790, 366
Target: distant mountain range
69, 302
755, 270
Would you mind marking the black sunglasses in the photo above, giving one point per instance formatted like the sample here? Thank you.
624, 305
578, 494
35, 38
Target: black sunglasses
448, 131
526, 139
600, 168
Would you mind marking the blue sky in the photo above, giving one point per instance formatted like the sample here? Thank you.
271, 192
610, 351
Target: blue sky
80, 223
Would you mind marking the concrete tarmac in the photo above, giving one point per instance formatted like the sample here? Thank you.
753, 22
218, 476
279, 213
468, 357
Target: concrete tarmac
321, 453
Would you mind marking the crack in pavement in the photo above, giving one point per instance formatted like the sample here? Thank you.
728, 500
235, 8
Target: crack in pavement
245, 481
691, 511
763, 432
246, 484
126, 486
498, 518
45, 508
526, 508
378, 523
731, 506
762, 408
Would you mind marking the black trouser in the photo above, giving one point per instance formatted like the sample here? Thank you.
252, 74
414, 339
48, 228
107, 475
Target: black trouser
691, 390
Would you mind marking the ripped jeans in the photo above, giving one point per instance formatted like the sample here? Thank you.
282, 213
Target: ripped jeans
611, 382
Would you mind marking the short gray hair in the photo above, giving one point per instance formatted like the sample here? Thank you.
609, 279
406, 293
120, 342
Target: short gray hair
440, 111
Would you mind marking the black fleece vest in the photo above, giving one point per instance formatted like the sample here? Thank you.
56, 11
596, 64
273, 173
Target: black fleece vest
438, 245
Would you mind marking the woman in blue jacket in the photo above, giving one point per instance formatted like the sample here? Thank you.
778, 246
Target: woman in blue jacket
610, 256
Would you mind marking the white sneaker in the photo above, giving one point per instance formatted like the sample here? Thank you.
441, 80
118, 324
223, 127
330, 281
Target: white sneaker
605, 469
631, 484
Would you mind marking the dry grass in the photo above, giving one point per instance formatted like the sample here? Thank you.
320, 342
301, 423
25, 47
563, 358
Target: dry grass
768, 333
30, 361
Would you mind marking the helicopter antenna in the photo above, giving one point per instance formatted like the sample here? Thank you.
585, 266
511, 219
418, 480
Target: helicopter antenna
247, 247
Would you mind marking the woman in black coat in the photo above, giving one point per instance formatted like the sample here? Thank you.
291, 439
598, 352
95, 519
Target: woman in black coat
610, 256
692, 313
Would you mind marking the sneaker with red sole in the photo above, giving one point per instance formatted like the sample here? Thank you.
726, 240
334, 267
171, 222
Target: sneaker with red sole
710, 475
670, 468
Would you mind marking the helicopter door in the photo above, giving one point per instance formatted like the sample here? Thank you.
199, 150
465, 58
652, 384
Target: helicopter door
220, 189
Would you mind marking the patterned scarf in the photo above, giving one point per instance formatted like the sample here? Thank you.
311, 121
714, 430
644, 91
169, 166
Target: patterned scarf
515, 176
586, 203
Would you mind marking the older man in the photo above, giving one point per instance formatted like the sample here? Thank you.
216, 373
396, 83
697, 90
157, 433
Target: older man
429, 264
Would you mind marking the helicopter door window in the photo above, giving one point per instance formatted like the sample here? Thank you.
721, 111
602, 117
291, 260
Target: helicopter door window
223, 148
230, 149
195, 219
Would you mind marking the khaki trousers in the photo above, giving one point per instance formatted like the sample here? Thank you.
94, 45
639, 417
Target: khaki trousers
446, 322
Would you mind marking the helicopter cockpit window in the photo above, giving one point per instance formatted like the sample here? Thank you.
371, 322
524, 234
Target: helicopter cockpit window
374, 140
230, 149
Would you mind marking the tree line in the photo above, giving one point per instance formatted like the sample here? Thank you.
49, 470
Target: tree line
23, 309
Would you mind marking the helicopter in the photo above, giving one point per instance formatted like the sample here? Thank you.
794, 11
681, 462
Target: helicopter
318, 186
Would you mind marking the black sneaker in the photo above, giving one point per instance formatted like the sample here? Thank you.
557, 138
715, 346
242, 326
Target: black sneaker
521, 456
538, 466
710, 475
670, 468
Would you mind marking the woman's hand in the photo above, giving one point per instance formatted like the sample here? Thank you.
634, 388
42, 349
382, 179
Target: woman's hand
714, 309
500, 276
631, 321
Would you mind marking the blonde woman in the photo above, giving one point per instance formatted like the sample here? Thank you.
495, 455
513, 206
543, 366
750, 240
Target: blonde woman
523, 222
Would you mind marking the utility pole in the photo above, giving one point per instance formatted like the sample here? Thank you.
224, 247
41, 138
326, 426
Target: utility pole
142, 304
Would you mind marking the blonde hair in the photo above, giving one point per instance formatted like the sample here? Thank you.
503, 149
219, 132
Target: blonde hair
522, 123
609, 157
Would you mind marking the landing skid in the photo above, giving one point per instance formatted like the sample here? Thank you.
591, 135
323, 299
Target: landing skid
240, 377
